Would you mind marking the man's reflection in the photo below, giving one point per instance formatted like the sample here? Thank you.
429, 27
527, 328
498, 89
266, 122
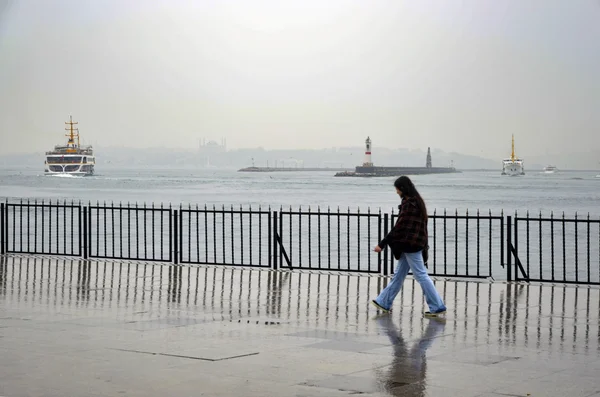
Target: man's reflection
409, 366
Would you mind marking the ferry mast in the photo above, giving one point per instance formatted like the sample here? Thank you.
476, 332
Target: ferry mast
72, 134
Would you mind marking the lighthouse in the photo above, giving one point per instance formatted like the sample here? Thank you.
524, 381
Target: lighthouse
368, 162
428, 161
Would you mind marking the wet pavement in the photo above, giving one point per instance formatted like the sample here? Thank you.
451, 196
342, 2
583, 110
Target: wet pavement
75, 328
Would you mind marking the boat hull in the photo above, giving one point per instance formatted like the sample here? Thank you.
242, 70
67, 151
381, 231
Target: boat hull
82, 170
513, 169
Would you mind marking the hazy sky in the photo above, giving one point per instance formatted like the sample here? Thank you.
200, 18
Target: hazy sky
455, 75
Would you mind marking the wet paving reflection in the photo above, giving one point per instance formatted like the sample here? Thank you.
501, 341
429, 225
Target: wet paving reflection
313, 333
409, 363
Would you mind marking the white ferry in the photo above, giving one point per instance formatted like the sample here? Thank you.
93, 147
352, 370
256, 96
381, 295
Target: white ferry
72, 158
513, 165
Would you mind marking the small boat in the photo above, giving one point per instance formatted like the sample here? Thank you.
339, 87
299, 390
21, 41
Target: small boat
70, 159
550, 169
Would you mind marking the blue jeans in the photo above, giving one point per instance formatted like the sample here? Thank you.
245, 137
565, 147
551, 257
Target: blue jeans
411, 261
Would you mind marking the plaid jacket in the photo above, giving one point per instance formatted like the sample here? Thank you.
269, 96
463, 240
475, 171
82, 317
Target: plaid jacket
409, 234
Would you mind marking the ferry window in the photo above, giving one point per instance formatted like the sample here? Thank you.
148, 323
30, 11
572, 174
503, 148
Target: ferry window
63, 160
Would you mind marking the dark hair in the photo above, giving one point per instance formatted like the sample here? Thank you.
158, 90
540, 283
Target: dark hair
408, 189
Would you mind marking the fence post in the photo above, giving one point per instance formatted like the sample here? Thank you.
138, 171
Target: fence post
516, 245
175, 236
385, 251
2, 228
508, 248
84, 235
274, 240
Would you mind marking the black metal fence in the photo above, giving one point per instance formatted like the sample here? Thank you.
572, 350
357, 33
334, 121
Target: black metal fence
557, 249
474, 245
223, 236
42, 228
128, 232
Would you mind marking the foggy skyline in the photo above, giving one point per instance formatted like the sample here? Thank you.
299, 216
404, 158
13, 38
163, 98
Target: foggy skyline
458, 76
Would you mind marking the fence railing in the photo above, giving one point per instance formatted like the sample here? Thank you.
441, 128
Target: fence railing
467, 245
557, 249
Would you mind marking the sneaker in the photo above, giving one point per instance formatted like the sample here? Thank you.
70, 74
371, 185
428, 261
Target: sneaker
378, 306
435, 314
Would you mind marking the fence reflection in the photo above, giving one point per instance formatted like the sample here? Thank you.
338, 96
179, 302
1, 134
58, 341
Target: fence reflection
562, 319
